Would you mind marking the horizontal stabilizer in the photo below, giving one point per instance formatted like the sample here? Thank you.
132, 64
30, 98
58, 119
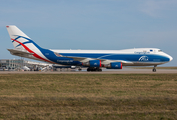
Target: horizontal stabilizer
19, 53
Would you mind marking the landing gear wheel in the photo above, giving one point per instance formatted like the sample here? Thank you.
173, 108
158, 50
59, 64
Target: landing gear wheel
94, 69
88, 69
154, 70
98, 69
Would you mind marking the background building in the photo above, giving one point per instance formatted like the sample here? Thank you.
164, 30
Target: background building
19, 63
12, 63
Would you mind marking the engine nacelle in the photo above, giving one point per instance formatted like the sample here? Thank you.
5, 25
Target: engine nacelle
114, 65
92, 63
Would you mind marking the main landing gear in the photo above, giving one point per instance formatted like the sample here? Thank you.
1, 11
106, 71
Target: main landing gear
154, 69
94, 69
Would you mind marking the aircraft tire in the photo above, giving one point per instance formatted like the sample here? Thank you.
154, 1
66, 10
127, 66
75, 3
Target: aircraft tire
88, 69
154, 70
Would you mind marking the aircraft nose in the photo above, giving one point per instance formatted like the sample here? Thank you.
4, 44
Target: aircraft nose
170, 58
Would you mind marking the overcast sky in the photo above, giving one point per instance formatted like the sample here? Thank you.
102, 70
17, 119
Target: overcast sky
92, 24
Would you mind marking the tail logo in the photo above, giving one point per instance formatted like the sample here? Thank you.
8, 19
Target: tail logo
16, 39
29, 50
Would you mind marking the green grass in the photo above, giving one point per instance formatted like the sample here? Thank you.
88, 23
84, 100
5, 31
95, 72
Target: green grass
88, 96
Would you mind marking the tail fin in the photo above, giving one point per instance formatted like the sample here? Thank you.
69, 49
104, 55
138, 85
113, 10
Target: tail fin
24, 46
19, 39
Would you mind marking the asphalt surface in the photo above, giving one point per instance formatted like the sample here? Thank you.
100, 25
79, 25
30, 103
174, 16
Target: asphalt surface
105, 71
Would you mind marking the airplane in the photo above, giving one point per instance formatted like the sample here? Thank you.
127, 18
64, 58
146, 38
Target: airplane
94, 60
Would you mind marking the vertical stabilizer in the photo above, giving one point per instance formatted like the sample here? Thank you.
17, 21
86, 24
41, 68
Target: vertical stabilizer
24, 45
17, 36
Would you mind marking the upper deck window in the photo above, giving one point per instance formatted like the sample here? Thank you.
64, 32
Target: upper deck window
159, 50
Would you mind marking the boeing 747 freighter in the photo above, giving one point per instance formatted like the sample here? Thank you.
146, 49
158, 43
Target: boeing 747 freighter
93, 59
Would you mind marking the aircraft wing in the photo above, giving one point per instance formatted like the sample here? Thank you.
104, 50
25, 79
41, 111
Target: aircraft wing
76, 58
104, 61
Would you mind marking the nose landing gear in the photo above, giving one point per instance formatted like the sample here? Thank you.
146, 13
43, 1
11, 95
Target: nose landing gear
154, 69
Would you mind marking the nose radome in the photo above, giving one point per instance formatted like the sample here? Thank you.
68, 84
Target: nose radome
170, 58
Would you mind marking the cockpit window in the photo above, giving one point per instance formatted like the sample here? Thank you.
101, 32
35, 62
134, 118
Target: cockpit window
159, 50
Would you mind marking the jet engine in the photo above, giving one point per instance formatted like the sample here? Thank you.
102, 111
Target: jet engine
114, 65
92, 63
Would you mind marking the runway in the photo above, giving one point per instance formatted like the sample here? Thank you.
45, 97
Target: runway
105, 71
